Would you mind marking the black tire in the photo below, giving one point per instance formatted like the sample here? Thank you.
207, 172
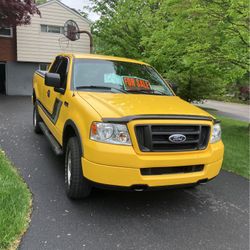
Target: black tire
77, 186
192, 186
36, 119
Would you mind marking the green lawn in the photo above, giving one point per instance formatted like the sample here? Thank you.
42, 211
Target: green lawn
236, 139
235, 135
15, 205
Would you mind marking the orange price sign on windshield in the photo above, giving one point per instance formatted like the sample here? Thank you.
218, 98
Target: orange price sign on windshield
135, 83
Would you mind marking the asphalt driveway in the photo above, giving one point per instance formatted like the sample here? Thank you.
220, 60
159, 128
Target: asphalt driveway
212, 216
234, 110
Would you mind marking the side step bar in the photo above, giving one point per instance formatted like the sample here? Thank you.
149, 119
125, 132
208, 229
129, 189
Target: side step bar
54, 144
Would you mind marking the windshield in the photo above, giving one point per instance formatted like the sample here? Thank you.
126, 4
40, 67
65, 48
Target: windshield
117, 76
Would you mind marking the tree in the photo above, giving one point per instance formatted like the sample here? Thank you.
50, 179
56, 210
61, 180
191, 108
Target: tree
16, 12
106, 8
83, 13
202, 45
201, 53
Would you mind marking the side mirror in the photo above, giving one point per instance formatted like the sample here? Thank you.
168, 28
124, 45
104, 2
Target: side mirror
53, 80
173, 86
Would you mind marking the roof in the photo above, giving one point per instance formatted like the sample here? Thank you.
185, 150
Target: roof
103, 57
73, 11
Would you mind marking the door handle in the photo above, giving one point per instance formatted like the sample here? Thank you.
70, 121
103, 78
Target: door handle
48, 93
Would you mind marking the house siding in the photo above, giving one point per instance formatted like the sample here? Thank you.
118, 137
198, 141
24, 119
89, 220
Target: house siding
36, 46
8, 48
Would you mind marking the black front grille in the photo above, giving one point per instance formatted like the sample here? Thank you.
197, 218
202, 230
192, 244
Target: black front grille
155, 138
172, 170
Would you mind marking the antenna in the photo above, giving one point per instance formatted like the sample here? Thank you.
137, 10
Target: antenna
72, 32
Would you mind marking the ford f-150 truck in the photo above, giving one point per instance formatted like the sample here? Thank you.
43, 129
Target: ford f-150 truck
119, 124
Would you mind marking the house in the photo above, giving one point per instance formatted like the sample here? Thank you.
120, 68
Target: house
27, 48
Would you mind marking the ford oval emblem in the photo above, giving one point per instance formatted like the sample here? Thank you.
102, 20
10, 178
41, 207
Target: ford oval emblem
177, 138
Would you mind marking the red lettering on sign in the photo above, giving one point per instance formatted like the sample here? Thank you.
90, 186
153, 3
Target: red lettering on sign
136, 83
129, 82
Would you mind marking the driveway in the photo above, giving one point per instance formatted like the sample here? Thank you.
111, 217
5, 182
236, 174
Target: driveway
234, 110
211, 216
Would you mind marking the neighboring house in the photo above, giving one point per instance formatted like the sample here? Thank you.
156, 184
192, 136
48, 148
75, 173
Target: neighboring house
25, 49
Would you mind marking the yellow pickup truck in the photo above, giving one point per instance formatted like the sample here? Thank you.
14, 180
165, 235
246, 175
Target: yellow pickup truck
119, 124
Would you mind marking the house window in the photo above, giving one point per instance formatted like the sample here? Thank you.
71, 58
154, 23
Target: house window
6, 32
43, 66
52, 29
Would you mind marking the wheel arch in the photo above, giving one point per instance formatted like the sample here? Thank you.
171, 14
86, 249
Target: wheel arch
34, 96
69, 130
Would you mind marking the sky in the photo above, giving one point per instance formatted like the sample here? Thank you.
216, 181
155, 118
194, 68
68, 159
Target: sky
78, 4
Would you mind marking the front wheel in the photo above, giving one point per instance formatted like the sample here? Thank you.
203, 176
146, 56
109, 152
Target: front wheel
77, 186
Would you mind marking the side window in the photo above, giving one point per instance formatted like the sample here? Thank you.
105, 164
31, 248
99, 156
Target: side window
62, 71
43, 66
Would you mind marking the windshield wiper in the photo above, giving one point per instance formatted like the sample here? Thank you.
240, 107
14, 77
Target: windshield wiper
141, 91
158, 92
100, 87
145, 91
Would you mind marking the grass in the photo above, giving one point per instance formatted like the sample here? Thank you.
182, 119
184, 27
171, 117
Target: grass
15, 205
236, 139
235, 135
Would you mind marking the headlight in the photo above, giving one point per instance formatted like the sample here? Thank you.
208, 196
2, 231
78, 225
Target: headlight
110, 133
216, 133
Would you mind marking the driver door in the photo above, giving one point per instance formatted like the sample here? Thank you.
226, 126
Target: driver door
53, 98
48, 95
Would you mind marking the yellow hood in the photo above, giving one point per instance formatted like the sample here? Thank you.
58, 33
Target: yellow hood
119, 105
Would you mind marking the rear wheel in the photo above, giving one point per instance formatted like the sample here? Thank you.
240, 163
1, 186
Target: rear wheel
36, 119
77, 186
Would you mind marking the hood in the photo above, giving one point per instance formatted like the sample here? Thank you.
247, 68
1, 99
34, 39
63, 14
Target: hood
110, 105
